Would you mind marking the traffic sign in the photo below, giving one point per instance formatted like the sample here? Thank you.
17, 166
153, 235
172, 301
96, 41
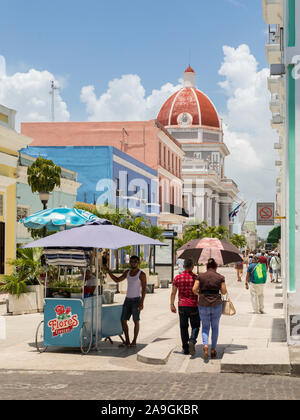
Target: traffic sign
265, 214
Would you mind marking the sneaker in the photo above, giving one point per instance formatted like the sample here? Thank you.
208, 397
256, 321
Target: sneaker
192, 349
261, 312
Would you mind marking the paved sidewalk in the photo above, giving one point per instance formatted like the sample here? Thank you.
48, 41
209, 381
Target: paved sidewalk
248, 343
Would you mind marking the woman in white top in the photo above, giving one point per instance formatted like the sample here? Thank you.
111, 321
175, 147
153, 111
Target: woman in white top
275, 265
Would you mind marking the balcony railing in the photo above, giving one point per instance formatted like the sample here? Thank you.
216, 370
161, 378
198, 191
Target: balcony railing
274, 34
171, 208
200, 166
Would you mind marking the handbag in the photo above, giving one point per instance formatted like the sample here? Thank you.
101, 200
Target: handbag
228, 308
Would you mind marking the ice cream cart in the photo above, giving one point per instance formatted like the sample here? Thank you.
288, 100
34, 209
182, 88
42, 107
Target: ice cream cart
74, 322
82, 321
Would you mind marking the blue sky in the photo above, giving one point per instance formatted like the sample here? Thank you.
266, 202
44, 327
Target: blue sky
90, 48
94, 41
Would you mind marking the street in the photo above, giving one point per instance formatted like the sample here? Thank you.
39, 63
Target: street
120, 385
114, 373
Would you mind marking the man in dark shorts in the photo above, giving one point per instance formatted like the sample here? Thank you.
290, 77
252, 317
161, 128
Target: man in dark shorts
187, 306
134, 301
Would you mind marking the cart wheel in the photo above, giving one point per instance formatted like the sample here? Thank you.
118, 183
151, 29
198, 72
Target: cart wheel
39, 338
85, 338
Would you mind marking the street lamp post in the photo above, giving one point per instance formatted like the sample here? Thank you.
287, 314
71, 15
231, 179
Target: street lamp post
44, 197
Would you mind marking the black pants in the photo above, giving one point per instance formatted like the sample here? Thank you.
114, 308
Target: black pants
186, 314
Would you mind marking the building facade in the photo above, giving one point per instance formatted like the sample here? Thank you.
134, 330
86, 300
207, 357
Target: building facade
10, 144
191, 118
283, 55
148, 143
107, 177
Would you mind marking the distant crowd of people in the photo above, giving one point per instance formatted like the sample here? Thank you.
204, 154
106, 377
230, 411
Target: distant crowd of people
271, 260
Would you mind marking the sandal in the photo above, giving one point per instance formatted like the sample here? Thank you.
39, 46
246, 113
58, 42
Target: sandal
205, 352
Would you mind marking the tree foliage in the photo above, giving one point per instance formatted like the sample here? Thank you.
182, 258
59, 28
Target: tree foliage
126, 220
274, 235
43, 175
238, 241
203, 230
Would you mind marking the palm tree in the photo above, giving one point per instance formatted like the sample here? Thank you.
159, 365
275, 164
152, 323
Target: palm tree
238, 240
28, 264
43, 176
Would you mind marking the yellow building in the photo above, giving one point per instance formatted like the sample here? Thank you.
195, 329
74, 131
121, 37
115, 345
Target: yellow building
10, 143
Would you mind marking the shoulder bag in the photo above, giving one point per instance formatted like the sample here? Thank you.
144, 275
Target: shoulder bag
228, 308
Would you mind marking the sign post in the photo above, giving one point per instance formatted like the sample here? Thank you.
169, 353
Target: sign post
265, 213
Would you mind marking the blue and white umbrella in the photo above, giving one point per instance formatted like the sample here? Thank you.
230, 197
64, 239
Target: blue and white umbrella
58, 219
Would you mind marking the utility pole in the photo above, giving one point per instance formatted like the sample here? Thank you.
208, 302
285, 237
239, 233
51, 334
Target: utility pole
53, 88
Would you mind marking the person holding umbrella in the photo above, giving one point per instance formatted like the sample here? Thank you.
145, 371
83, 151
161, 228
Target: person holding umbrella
208, 286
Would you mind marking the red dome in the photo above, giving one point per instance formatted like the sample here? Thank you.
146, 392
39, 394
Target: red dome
189, 70
191, 101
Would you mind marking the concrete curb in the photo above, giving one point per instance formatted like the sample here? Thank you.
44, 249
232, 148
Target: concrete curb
156, 353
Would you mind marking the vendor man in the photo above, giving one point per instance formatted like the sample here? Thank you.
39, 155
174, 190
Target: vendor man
134, 301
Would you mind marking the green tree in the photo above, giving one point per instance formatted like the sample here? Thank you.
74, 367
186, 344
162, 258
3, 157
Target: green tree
28, 264
274, 235
238, 241
201, 230
43, 175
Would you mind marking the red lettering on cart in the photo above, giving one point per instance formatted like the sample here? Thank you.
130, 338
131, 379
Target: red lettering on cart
60, 327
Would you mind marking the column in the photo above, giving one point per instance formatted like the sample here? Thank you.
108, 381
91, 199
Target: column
224, 209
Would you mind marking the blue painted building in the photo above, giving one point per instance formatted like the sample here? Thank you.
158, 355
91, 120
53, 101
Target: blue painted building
29, 203
107, 176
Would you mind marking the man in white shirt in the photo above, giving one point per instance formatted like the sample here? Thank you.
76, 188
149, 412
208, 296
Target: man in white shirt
134, 301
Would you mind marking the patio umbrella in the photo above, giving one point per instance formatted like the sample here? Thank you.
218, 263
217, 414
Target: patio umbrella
58, 219
200, 250
94, 236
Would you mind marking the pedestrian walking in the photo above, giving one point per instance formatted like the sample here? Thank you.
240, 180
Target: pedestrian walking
275, 265
134, 301
269, 257
239, 266
256, 276
208, 286
187, 307
180, 263
262, 259
250, 260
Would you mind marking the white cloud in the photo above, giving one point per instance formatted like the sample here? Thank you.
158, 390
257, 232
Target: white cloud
28, 94
125, 100
248, 133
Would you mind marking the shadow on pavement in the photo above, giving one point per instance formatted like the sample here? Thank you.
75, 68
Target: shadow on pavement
104, 349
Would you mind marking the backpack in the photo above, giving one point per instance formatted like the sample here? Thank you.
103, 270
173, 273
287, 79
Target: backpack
259, 274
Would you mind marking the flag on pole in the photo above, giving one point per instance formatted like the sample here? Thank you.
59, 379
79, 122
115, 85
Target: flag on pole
236, 210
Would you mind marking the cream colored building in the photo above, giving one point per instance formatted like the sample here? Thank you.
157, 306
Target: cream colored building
283, 54
192, 119
10, 144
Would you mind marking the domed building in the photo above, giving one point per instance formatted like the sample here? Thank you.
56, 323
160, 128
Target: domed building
192, 119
